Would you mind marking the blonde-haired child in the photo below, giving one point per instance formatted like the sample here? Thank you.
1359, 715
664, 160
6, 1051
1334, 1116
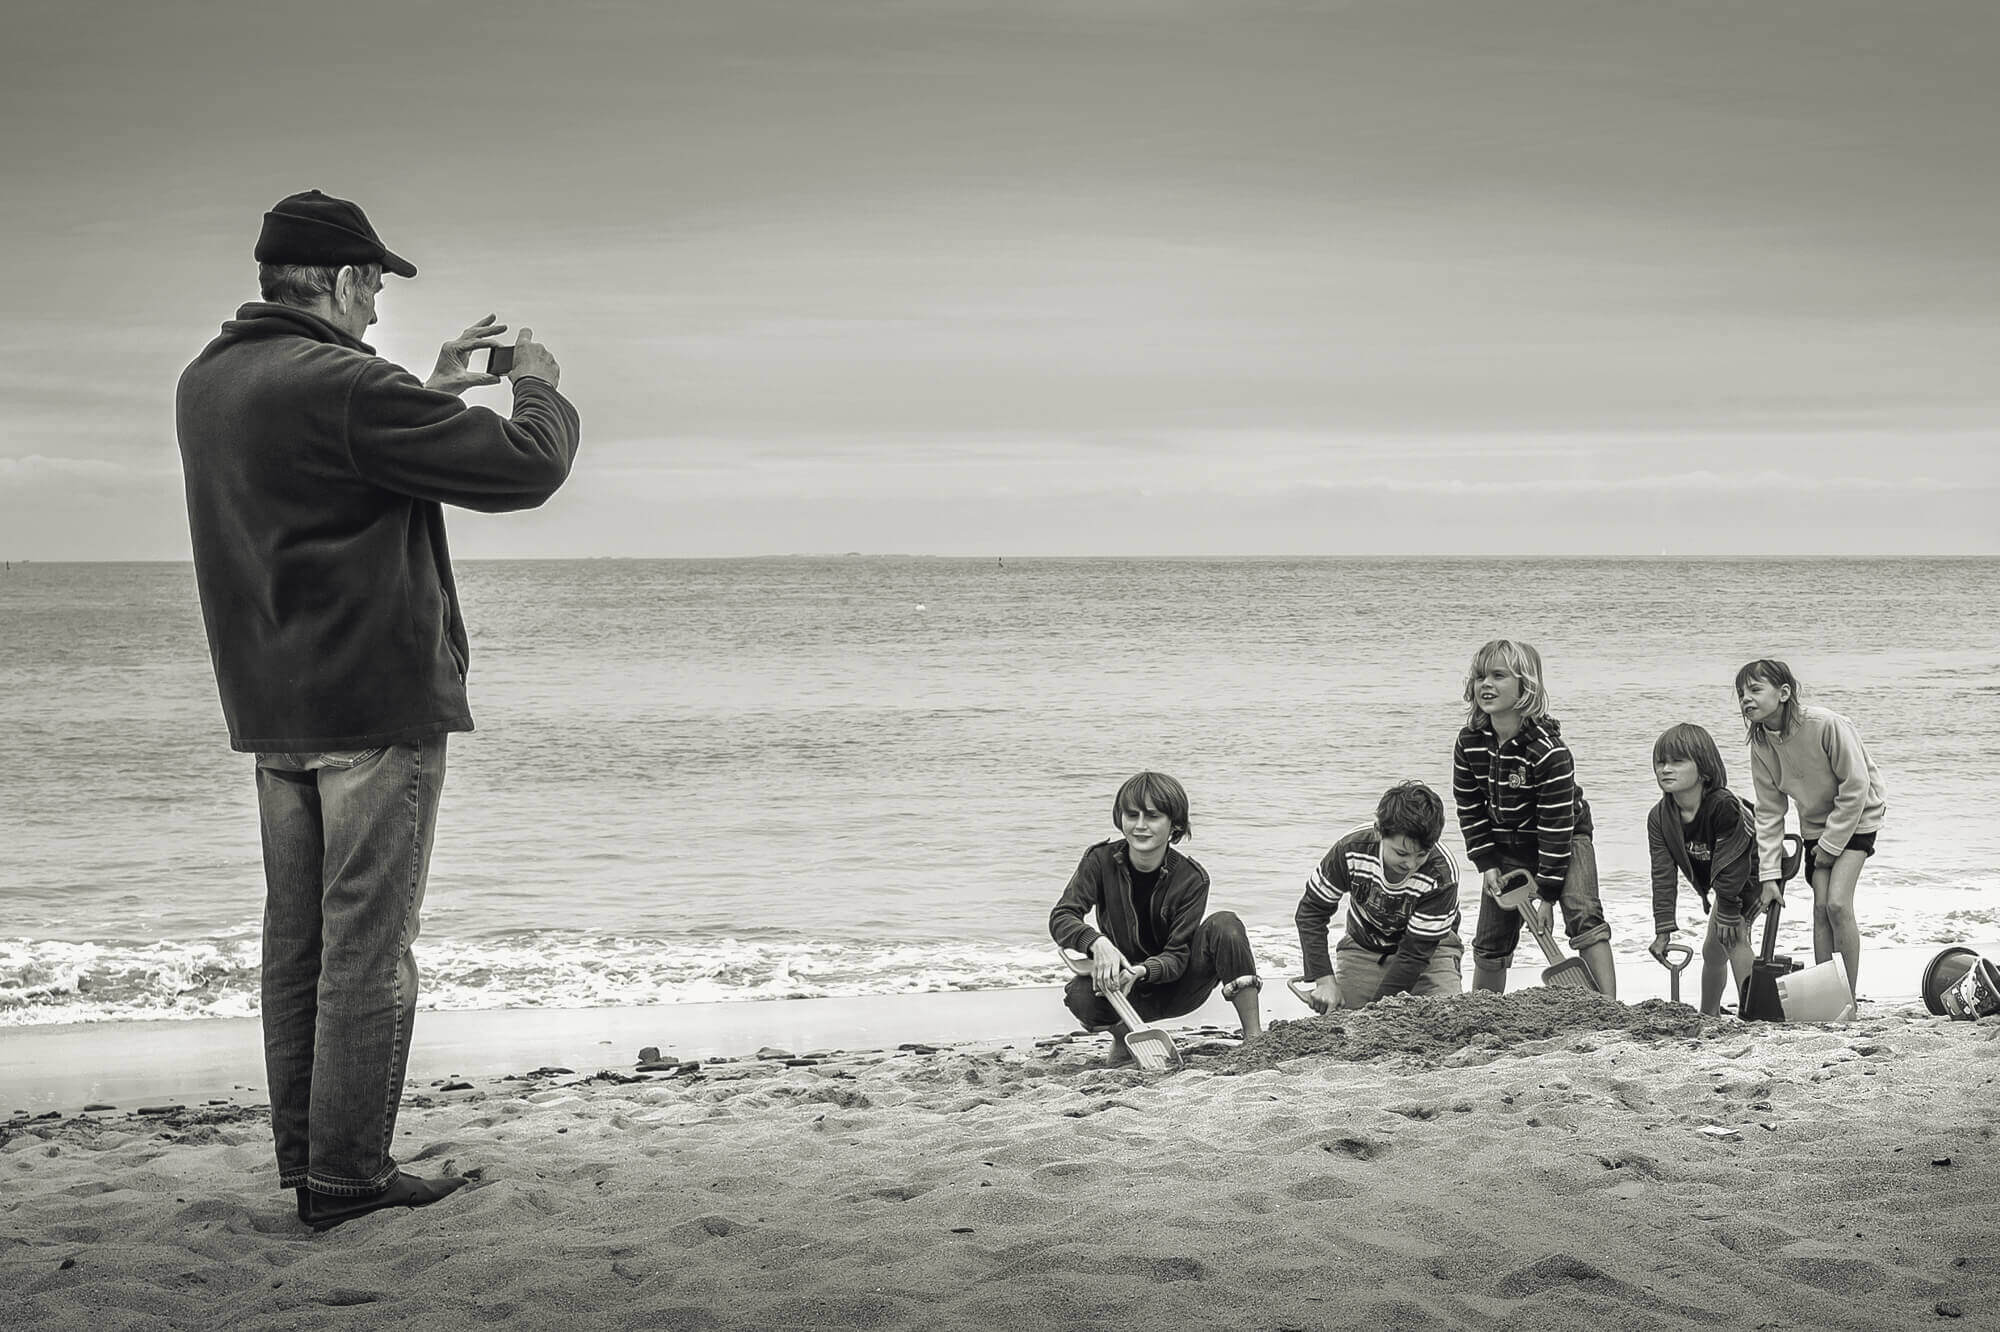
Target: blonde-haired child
1698, 830
1519, 807
1813, 758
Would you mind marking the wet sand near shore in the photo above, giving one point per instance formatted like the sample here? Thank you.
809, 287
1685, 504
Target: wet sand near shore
128, 1064
1545, 1159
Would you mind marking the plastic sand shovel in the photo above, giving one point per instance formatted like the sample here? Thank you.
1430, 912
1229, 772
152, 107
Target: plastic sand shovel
1152, 1047
1761, 1000
1302, 990
1568, 973
1674, 970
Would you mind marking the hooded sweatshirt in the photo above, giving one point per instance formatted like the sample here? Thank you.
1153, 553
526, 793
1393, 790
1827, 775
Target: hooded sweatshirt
1719, 838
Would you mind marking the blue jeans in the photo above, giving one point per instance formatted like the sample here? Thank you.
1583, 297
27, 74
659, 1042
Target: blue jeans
1499, 928
347, 849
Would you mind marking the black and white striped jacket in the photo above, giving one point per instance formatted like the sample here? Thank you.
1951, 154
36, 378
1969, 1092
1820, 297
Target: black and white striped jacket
1518, 802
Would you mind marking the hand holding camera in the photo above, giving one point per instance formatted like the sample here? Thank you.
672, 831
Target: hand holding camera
456, 372
526, 357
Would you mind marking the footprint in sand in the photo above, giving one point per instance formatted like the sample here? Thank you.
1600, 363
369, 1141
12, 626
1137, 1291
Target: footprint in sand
702, 1229
1323, 1188
1360, 1149
1842, 1276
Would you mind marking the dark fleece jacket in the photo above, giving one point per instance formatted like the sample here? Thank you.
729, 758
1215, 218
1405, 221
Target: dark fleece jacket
1103, 883
315, 473
1721, 825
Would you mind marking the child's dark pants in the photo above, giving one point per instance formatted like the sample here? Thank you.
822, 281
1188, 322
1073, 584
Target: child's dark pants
1220, 952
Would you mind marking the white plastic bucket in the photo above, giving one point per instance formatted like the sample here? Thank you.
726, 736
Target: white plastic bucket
1975, 994
1817, 994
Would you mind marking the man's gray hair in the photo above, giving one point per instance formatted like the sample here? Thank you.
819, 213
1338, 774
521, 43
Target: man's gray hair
304, 284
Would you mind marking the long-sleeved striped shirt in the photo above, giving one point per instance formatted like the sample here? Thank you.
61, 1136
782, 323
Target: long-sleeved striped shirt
1408, 919
1519, 800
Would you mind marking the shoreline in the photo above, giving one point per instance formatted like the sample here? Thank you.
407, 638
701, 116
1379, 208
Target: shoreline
192, 1062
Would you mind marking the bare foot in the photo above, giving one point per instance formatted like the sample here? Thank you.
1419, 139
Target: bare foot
1121, 1053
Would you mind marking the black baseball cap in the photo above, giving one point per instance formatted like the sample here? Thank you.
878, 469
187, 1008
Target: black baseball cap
318, 229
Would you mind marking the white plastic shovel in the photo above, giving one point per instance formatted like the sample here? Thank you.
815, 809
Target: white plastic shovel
1151, 1046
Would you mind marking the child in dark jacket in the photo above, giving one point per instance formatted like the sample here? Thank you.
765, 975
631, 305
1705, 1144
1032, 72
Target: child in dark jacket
1519, 807
1698, 831
1150, 940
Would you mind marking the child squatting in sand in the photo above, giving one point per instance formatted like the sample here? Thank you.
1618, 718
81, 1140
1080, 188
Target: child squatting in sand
1150, 941
1401, 890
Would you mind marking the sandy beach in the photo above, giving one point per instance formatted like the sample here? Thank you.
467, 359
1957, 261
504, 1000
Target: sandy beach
1546, 1160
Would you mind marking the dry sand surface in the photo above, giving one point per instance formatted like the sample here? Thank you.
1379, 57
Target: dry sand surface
1546, 1160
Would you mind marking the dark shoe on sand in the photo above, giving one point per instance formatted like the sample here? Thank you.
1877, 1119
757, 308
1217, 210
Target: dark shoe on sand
325, 1211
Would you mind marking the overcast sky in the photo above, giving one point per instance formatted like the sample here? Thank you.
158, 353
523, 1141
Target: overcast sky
1091, 277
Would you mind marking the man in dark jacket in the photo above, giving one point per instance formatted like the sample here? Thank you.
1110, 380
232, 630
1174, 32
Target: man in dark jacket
315, 473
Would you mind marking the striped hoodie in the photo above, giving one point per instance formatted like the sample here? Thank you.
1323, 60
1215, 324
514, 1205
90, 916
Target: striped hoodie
1408, 919
1518, 802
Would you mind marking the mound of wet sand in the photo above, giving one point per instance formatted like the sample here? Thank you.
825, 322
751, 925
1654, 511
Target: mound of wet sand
1431, 1028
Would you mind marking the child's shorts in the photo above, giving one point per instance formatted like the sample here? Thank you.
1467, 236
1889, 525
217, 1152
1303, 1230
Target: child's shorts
1862, 842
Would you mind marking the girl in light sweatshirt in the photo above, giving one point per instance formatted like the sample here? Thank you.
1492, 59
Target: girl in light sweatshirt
1812, 758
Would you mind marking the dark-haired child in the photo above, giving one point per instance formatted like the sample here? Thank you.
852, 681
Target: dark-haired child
1698, 831
1401, 890
1150, 940
1813, 758
1519, 807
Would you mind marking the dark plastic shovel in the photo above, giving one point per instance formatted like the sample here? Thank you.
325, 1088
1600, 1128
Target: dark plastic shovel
1673, 970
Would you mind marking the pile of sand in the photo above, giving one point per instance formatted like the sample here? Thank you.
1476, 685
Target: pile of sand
1431, 1028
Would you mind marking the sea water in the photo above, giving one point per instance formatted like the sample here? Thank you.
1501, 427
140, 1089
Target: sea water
710, 780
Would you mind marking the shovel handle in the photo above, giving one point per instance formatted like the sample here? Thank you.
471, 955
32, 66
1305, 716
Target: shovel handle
1302, 990
1686, 955
1521, 897
1080, 964
1770, 932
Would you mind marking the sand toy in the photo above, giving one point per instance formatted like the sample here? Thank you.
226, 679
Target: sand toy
1572, 972
1761, 1001
1151, 1046
1674, 969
